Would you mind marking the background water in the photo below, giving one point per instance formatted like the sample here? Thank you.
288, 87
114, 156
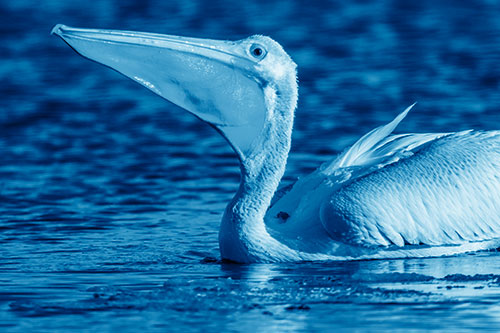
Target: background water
110, 197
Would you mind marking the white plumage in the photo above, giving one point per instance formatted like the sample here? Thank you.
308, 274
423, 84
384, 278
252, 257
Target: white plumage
387, 196
400, 190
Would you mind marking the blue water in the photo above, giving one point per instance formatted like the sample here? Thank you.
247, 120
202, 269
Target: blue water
110, 197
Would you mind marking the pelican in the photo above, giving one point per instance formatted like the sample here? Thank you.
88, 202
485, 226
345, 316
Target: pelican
386, 196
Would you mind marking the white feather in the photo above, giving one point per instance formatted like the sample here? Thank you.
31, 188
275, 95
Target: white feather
397, 190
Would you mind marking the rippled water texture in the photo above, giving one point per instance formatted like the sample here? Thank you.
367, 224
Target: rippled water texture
110, 198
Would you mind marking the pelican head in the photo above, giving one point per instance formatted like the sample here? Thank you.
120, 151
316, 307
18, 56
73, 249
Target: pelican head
231, 85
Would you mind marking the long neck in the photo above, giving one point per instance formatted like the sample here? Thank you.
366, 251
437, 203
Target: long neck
243, 236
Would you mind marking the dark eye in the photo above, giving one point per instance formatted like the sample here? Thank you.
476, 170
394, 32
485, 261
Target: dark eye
258, 51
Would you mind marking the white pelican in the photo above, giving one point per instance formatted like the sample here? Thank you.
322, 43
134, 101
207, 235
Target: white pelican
387, 196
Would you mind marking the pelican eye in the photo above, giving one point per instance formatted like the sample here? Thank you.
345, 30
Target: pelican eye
258, 51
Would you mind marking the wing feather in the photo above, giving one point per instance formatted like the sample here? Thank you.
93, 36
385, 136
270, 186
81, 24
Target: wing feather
446, 193
404, 189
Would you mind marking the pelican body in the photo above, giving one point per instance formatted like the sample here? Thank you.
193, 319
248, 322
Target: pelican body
387, 196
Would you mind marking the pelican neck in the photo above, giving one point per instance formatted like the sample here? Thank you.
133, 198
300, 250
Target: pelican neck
243, 236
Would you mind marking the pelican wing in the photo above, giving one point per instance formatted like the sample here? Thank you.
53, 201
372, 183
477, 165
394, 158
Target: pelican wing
448, 192
430, 188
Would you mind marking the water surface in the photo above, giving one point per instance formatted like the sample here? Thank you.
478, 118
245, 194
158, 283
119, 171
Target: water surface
110, 197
